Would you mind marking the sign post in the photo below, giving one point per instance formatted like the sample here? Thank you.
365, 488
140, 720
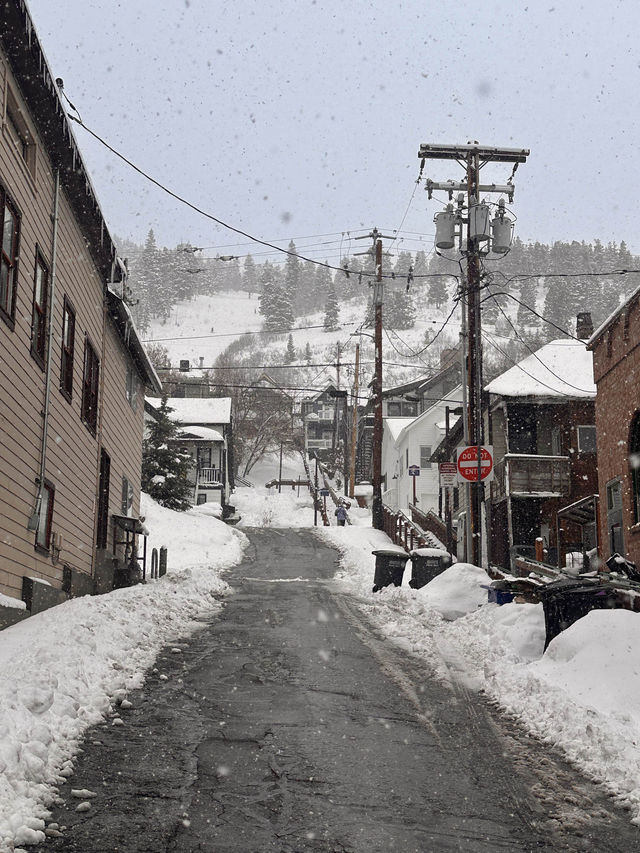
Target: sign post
470, 466
414, 471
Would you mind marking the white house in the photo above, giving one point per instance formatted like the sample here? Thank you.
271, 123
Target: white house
407, 442
205, 432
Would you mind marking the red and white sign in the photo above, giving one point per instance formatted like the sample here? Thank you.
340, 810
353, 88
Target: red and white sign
448, 474
468, 464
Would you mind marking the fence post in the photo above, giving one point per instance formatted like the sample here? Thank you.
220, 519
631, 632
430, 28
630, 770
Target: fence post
162, 570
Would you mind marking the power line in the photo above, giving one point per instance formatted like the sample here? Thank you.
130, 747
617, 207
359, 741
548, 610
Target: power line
238, 334
267, 367
533, 311
526, 372
216, 219
533, 352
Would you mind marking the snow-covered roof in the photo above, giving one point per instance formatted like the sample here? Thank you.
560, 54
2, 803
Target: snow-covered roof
396, 425
205, 433
562, 368
197, 410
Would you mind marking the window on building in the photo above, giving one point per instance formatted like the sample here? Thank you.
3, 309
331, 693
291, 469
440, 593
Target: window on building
132, 387
9, 259
126, 502
587, 439
68, 340
425, 456
39, 313
43, 533
634, 464
204, 457
89, 412
394, 409
19, 133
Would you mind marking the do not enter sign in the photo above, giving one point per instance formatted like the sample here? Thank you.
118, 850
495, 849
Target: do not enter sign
468, 464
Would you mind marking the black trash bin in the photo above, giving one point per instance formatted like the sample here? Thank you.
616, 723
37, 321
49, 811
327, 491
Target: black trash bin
426, 564
566, 601
390, 565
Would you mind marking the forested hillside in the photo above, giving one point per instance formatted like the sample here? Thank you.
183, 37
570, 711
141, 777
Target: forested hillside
556, 281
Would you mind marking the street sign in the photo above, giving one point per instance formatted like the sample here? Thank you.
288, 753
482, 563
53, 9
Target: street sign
448, 474
324, 493
414, 470
468, 464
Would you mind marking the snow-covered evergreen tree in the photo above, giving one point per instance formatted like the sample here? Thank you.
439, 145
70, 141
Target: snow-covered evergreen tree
438, 291
331, 309
399, 310
164, 465
290, 353
250, 276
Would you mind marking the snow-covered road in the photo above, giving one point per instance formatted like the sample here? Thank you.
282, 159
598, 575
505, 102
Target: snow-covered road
68, 668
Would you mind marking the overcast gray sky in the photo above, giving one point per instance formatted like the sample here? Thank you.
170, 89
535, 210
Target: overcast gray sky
304, 117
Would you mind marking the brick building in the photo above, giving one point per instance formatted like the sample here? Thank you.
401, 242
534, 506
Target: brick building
544, 445
616, 366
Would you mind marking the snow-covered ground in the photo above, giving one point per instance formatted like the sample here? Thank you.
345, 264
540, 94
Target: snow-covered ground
71, 667
582, 695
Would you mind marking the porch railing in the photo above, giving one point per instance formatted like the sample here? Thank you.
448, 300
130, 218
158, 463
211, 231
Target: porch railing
209, 476
530, 474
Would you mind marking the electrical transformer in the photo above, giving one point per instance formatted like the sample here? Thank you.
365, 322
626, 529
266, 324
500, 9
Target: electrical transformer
445, 228
501, 227
479, 221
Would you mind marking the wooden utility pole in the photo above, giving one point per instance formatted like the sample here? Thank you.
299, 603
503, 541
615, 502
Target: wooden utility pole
354, 425
474, 157
377, 514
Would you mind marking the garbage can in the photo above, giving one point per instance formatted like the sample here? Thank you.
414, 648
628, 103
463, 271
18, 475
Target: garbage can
564, 602
426, 564
390, 565
500, 592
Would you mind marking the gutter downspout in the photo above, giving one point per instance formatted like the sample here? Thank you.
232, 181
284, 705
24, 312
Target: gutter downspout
34, 521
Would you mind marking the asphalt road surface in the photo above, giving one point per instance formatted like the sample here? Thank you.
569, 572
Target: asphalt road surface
289, 724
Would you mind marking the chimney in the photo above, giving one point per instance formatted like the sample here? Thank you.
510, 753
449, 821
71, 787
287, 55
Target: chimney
448, 356
584, 325
201, 362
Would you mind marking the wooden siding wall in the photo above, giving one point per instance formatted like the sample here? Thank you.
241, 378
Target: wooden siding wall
72, 451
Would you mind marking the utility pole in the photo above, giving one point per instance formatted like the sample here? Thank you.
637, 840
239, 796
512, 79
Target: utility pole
377, 515
354, 425
474, 157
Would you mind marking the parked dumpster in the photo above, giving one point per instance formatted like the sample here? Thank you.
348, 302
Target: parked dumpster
426, 564
566, 601
390, 563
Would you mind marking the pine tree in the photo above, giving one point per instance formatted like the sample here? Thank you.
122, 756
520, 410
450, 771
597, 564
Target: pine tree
164, 465
401, 312
290, 354
438, 291
331, 310
307, 353
269, 296
250, 277
292, 278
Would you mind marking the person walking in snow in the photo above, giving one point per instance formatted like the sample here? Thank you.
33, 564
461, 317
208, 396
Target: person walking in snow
341, 515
